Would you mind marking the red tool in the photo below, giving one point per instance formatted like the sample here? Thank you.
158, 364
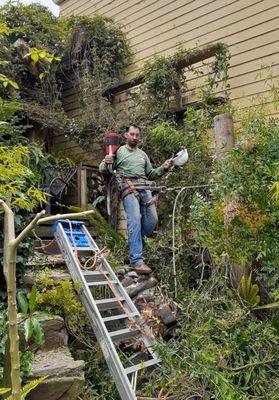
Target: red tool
113, 142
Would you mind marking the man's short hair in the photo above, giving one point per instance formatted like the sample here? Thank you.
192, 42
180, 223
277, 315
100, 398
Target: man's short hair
131, 125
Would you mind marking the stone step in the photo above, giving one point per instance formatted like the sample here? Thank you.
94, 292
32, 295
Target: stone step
65, 377
56, 274
55, 334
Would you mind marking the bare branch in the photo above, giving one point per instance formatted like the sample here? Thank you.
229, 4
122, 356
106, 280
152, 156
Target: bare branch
65, 216
27, 230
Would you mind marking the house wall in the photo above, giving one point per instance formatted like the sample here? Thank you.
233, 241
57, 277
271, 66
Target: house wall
249, 27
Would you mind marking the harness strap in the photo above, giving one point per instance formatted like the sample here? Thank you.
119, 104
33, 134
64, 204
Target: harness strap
132, 189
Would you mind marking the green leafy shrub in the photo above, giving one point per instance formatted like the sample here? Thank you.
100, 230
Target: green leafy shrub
221, 350
241, 224
58, 297
31, 318
166, 139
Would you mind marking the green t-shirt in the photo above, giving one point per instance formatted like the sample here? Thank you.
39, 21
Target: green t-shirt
133, 163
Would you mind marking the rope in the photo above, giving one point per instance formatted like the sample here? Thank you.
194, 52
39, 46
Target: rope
45, 245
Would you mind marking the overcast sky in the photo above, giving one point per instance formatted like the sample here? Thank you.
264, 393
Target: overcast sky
48, 3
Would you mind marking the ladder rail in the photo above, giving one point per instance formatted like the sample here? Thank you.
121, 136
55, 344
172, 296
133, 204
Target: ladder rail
116, 368
125, 377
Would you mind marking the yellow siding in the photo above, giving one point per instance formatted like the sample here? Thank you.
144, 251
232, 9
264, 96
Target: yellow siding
249, 27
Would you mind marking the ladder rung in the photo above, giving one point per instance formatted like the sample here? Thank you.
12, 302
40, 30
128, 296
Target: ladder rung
97, 283
94, 276
108, 304
144, 364
80, 248
123, 334
119, 316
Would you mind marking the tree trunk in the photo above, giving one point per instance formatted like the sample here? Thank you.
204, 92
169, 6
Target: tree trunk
10, 276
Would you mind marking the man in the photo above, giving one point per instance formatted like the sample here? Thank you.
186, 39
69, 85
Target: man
133, 166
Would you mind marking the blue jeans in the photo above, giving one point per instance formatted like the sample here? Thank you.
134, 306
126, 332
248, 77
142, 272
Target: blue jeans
141, 221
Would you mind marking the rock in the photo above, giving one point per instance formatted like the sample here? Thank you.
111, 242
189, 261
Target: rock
139, 287
45, 260
55, 334
132, 274
55, 274
127, 281
167, 315
65, 376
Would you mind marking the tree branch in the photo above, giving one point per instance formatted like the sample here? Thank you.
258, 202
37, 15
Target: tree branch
65, 216
254, 364
27, 230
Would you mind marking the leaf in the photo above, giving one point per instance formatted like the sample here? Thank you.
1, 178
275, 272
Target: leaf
98, 200
14, 84
30, 386
253, 297
40, 315
38, 333
41, 75
4, 390
267, 306
243, 287
22, 302
32, 299
248, 284
35, 57
28, 329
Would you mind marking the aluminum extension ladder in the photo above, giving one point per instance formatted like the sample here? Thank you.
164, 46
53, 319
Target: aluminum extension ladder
102, 293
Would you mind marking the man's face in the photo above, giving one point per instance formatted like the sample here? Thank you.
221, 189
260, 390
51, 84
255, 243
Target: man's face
132, 136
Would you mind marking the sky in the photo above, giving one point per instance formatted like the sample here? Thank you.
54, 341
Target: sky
48, 3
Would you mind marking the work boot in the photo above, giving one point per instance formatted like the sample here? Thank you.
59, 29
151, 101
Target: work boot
142, 269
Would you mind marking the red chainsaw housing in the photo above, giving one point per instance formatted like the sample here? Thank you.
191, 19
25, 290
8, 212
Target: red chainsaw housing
113, 142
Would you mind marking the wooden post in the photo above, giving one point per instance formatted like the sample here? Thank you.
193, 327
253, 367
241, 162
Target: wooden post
224, 138
83, 188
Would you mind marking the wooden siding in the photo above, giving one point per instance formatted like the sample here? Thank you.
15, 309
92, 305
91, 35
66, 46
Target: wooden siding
249, 27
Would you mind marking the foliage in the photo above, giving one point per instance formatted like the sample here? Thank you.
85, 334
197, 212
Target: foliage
162, 80
92, 52
99, 385
158, 84
250, 292
3, 337
26, 389
99, 44
166, 139
58, 297
241, 224
26, 359
221, 351
97, 54
17, 183
31, 318
32, 63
